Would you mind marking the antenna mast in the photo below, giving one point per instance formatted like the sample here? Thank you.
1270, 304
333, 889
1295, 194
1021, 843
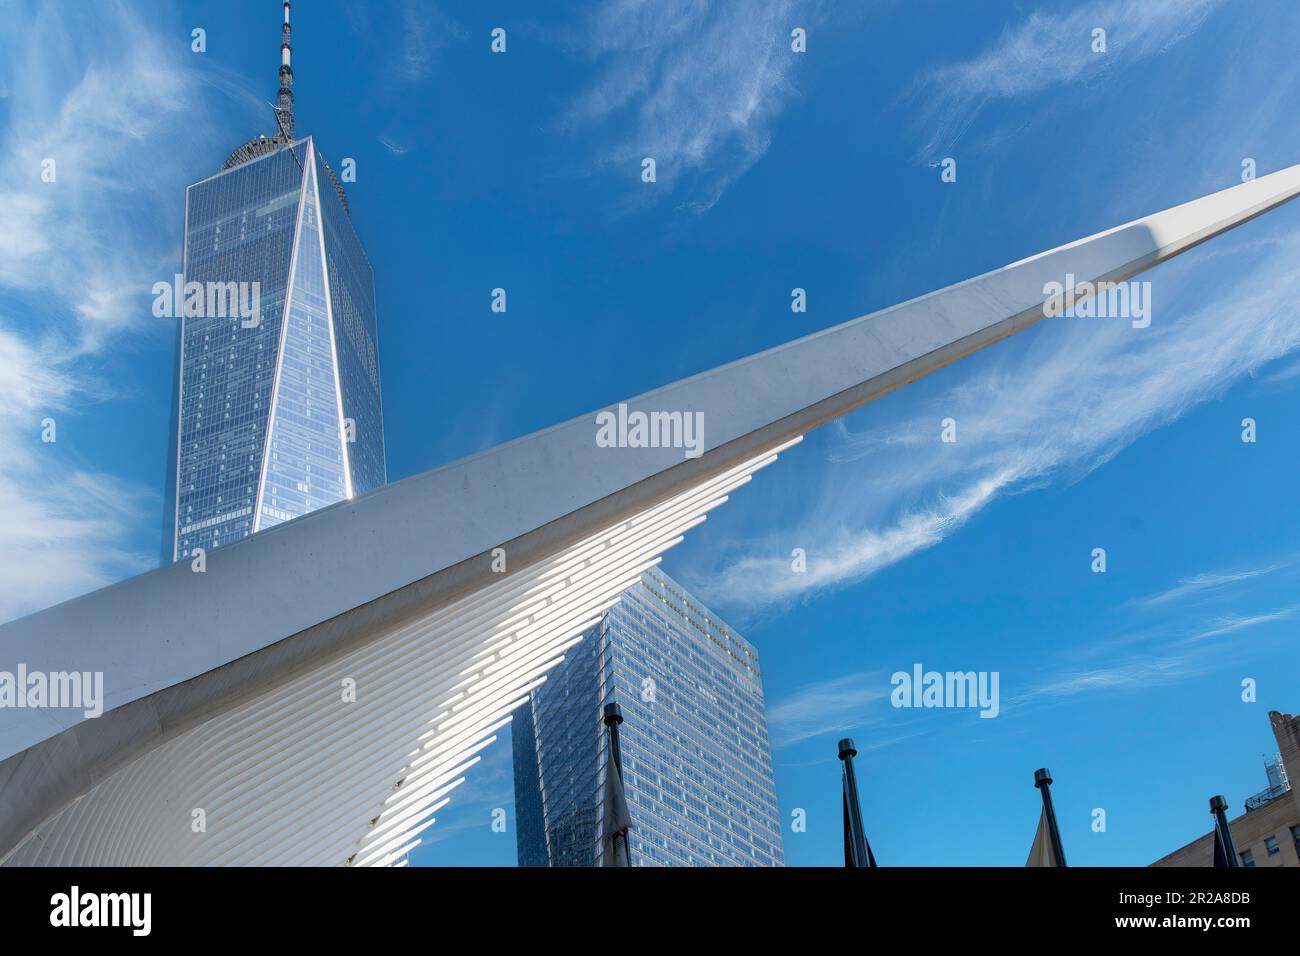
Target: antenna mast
284, 104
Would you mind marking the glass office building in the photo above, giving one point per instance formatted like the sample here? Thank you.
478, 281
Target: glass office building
276, 414
697, 765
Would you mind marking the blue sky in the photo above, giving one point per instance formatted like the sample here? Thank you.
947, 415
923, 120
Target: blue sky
775, 170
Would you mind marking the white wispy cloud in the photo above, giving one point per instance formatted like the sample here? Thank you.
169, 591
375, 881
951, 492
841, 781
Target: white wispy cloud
832, 706
1167, 661
1174, 661
695, 86
1231, 623
1050, 49
425, 29
94, 106
65, 526
1206, 582
1289, 372
1136, 674
1078, 394
106, 98
417, 47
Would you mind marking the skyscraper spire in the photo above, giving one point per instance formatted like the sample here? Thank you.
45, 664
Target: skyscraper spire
283, 133
284, 104
264, 145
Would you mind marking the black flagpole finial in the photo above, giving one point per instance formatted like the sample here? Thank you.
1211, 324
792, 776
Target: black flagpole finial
857, 851
1222, 834
1043, 781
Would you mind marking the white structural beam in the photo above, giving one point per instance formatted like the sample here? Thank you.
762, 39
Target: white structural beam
223, 687
300, 776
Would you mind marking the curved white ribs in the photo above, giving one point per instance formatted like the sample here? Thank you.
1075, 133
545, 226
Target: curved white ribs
299, 777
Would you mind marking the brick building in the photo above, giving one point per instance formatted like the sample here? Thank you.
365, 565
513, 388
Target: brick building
1268, 833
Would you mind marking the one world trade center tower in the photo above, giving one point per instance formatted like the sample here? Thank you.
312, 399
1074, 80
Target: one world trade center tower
277, 409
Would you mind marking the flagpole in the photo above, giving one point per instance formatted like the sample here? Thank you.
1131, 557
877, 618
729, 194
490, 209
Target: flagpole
856, 850
1043, 781
1218, 804
614, 717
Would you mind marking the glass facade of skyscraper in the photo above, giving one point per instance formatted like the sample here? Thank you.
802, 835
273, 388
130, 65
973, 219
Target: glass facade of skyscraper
697, 764
278, 415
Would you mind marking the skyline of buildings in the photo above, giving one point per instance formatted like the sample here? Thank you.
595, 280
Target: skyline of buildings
1133, 585
279, 413
277, 404
697, 764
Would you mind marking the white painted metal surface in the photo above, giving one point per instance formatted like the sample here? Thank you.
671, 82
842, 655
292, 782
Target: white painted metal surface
298, 776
